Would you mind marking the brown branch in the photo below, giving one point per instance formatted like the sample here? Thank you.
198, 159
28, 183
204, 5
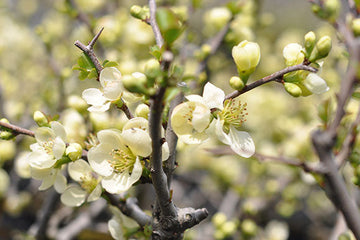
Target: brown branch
158, 38
348, 143
16, 129
273, 77
89, 51
291, 162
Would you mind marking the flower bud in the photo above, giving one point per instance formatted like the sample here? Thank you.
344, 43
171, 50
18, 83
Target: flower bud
217, 17
355, 25
40, 119
218, 219
152, 68
293, 54
236, 83
74, 151
135, 83
142, 110
246, 56
310, 41
249, 227
138, 12
322, 49
315, 84
293, 89
329, 10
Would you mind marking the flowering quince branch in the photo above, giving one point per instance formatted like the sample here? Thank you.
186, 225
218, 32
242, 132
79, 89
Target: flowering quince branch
277, 76
16, 129
159, 39
324, 141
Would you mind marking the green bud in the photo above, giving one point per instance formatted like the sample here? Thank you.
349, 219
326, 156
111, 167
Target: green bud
322, 49
355, 26
138, 12
40, 119
293, 89
246, 56
152, 68
5, 135
74, 151
135, 83
310, 41
229, 228
329, 10
236, 83
142, 110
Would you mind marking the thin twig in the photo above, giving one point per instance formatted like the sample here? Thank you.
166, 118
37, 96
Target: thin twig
158, 38
348, 143
16, 129
291, 162
273, 77
89, 51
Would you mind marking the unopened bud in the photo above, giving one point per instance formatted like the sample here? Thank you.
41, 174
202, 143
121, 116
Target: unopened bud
248, 227
77, 103
236, 83
40, 119
135, 83
74, 151
246, 56
218, 17
293, 89
322, 49
355, 25
219, 219
293, 54
138, 12
142, 110
310, 41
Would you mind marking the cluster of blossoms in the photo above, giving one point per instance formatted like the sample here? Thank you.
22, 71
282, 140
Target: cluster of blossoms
303, 83
114, 163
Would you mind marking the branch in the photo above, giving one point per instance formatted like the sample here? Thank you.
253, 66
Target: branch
273, 77
291, 162
171, 139
334, 185
158, 38
348, 143
16, 130
89, 51
130, 208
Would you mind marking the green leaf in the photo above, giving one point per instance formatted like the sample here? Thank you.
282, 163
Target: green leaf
83, 75
169, 24
356, 95
85, 62
93, 73
156, 52
171, 93
110, 64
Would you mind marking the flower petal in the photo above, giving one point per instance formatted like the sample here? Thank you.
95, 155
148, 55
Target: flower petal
201, 118
100, 108
137, 122
73, 196
241, 143
95, 194
79, 169
118, 183
315, 84
213, 96
98, 160
59, 130
41, 160
94, 96
58, 148
165, 152
60, 183
138, 141
44, 134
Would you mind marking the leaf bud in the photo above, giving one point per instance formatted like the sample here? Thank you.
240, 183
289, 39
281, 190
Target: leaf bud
40, 119
355, 25
169, 24
236, 83
322, 49
309, 43
246, 56
293, 89
135, 83
74, 151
